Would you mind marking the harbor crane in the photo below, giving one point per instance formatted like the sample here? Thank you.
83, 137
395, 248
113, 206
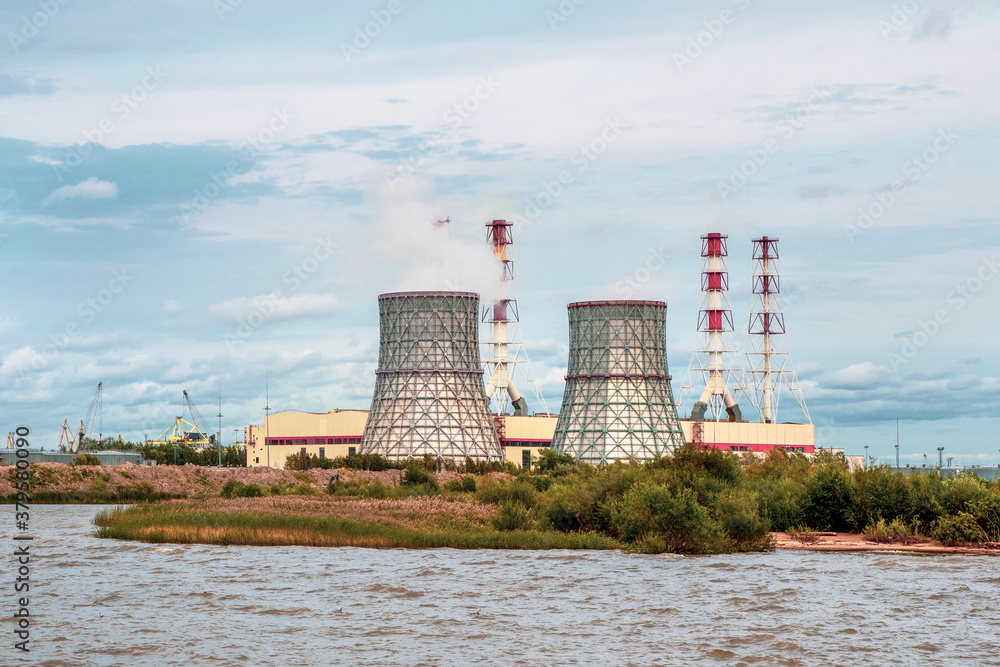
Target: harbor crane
183, 431
196, 417
66, 436
88, 425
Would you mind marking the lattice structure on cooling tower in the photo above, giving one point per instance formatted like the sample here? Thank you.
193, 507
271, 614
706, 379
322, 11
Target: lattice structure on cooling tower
618, 403
429, 396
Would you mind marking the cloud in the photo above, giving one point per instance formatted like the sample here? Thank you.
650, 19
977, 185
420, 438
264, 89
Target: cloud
276, 307
173, 307
88, 189
8, 324
865, 375
19, 361
10, 85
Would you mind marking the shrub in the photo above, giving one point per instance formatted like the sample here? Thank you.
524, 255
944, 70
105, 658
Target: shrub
828, 499
136, 491
893, 532
465, 484
803, 535
952, 529
87, 460
496, 492
232, 488
511, 515
555, 463
653, 511
540, 482
251, 491
417, 475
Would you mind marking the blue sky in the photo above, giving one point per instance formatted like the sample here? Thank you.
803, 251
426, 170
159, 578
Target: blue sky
202, 191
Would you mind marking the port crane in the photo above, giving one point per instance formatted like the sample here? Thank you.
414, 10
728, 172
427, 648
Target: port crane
66, 436
183, 431
88, 425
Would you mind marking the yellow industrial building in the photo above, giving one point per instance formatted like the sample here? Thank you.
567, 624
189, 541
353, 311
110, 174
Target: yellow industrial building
338, 433
750, 436
326, 434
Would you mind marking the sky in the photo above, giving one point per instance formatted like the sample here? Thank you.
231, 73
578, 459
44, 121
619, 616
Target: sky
209, 195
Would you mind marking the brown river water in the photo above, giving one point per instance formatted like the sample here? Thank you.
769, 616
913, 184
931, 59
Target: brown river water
103, 602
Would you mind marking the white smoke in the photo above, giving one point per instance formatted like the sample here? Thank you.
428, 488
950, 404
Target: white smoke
427, 253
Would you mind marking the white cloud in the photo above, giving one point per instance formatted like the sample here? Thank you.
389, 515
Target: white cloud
276, 307
8, 324
92, 188
173, 307
19, 361
865, 375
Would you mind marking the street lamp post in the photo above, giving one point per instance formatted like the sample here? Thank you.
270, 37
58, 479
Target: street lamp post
866, 456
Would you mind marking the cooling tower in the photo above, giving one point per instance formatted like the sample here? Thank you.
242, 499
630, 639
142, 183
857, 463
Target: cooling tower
617, 403
429, 396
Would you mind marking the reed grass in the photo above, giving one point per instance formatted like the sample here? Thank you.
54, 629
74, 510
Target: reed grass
186, 522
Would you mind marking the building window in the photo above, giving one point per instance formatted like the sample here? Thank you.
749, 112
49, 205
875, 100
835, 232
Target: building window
340, 441
256, 460
352, 450
526, 459
303, 451
322, 452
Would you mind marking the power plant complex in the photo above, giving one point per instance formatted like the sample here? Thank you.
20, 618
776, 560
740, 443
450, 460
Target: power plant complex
445, 389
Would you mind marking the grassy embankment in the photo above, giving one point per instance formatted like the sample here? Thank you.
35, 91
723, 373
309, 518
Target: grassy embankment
696, 502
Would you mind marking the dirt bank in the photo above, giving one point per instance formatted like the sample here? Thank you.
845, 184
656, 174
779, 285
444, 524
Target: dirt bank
188, 481
856, 542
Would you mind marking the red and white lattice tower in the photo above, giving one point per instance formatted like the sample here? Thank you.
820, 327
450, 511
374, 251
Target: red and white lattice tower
713, 368
504, 356
768, 366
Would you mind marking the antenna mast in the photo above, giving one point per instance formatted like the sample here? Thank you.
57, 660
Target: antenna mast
767, 361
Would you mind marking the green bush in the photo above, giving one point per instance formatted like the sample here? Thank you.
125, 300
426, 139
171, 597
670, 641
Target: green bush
465, 484
135, 491
828, 499
232, 488
251, 491
496, 492
952, 529
893, 532
674, 520
87, 460
417, 475
511, 515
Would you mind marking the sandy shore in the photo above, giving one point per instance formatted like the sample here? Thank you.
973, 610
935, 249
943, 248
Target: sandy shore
857, 542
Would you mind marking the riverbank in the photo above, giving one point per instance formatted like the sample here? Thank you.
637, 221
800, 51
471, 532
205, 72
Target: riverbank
858, 543
56, 483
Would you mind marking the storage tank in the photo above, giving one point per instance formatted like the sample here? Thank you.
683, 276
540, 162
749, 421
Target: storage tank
618, 404
429, 396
